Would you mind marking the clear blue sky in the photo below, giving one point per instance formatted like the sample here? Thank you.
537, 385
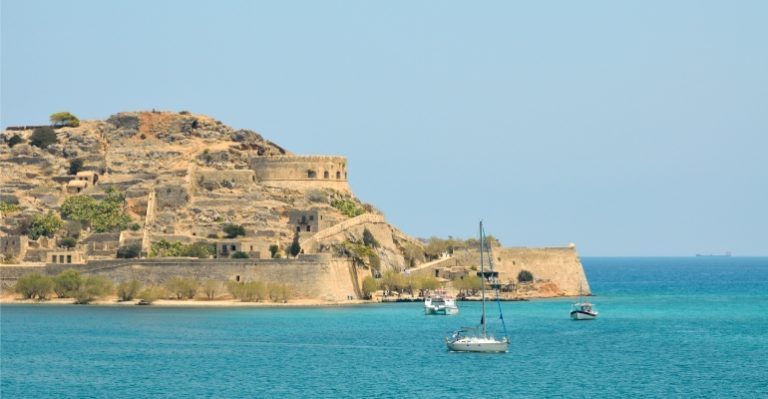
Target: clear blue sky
629, 128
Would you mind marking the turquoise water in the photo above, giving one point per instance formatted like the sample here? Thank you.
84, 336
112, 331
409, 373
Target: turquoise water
669, 327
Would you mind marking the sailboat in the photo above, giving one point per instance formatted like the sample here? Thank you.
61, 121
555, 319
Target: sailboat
469, 339
583, 310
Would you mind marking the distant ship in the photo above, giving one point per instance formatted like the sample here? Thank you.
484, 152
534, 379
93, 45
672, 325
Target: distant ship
725, 255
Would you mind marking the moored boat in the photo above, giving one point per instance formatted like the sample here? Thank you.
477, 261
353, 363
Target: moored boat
440, 304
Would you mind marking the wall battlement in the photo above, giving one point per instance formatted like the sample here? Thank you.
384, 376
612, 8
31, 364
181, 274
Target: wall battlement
302, 172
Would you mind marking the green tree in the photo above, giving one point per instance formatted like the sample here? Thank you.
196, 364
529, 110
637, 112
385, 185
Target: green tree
68, 242
370, 285
75, 166
392, 281
234, 230
42, 137
64, 119
67, 283
182, 287
34, 285
197, 250
45, 225
105, 215
274, 250
15, 139
127, 290
129, 251
254, 291
93, 287
295, 247
524, 276
240, 255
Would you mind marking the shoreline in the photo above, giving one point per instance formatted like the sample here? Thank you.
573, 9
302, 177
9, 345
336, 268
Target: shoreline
234, 303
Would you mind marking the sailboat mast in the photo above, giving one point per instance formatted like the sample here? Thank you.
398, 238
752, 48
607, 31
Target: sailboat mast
482, 272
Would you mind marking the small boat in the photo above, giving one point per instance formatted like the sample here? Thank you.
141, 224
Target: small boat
477, 339
440, 303
583, 310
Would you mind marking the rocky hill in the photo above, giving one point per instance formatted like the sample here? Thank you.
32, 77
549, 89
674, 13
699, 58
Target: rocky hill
184, 178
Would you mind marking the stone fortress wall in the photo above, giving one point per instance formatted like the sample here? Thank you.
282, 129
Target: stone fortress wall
558, 265
302, 172
309, 276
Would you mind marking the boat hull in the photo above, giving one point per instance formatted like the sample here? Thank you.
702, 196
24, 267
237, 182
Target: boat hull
582, 315
442, 310
470, 346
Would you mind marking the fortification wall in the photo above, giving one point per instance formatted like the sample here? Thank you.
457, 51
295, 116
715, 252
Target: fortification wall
560, 266
310, 276
302, 172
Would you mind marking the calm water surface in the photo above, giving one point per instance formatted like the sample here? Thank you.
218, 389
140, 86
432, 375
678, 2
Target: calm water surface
669, 327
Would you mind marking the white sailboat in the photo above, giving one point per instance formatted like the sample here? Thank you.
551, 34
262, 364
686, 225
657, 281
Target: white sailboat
583, 310
477, 339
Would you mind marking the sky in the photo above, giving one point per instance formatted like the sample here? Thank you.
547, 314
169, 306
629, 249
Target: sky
627, 128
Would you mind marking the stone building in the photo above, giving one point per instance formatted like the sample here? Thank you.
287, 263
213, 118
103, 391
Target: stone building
87, 176
225, 248
76, 186
102, 245
65, 257
14, 247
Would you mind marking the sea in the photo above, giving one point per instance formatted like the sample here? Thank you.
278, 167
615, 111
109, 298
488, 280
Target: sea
692, 327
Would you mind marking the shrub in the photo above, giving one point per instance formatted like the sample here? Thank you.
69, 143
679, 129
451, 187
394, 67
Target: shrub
135, 227
295, 247
64, 119
375, 262
210, 288
234, 230
369, 240
182, 287
8, 208
42, 137
68, 242
370, 285
347, 207
358, 252
524, 276
66, 283
248, 292
34, 285
273, 251
15, 139
75, 166
45, 225
129, 251
413, 254
279, 292
128, 290
240, 255
165, 248
92, 287
151, 294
